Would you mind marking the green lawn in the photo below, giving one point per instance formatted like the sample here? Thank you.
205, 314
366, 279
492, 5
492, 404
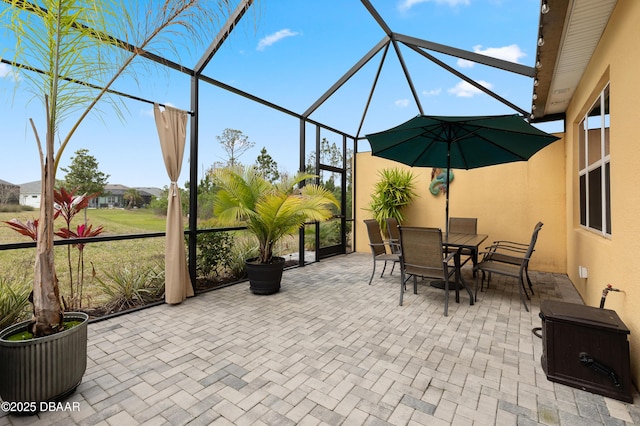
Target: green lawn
100, 259
127, 221
114, 221
103, 261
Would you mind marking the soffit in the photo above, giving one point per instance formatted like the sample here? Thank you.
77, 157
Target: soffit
571, 31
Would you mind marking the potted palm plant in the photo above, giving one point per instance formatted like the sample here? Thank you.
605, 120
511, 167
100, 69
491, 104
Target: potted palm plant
270, 211
66, 56
392, 193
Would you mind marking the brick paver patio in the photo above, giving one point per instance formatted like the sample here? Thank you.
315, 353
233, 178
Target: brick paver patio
329, 349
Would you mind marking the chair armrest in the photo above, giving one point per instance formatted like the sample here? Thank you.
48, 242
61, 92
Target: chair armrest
513, 249
377, 244
395, 246
511, 243
503, 258
449, 257
374, 245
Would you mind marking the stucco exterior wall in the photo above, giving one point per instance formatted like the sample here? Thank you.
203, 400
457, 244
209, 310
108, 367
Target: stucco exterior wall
508, 201
611, 260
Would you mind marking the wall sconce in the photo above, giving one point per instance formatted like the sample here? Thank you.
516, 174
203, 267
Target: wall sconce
541, 41
535, 82
545, 7
535, 96
533, 107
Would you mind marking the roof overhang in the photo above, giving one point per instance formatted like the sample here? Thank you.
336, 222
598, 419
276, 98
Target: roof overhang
571, 30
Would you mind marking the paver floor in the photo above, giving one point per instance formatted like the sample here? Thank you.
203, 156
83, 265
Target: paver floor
330, 349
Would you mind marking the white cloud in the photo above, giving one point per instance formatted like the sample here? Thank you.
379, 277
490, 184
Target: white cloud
7, 71
402, 103
511, 53
434, 92
466, 90
463, 63
149, 111
275, 37
408, 4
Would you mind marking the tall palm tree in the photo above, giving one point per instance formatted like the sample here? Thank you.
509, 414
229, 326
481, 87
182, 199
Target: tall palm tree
132, 197
70, 41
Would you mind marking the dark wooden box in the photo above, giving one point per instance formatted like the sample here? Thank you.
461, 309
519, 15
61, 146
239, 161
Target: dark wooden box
586, 348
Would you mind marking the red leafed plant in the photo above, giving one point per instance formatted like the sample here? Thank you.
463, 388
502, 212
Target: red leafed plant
67, 204
28, 229
82, 231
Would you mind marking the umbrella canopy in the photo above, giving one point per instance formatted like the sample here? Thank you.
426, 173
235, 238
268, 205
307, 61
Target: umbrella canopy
459, 142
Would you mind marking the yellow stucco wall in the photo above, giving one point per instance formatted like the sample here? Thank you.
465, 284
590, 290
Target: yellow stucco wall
614, 260
508, 201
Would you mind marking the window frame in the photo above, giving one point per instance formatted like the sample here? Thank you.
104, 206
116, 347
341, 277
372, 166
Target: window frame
601, 165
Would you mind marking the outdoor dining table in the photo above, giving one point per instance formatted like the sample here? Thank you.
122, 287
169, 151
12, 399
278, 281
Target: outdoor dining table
460, 241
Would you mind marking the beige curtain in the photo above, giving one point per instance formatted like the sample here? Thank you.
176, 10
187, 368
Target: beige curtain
172, 130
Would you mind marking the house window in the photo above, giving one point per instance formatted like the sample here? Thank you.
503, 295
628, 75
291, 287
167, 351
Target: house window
594, 166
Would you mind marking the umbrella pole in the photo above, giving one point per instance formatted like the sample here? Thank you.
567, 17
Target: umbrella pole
446, 223
440, 283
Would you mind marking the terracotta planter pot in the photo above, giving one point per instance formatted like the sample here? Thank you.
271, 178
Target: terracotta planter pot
45, 368
265, 278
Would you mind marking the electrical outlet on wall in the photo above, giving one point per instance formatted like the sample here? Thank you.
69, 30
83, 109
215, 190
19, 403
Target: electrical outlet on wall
582, 272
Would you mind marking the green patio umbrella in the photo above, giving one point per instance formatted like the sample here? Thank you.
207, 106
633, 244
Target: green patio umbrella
459, 142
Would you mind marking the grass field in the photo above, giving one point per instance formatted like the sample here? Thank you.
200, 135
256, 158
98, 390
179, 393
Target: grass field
115, 222
101, 259
110, 262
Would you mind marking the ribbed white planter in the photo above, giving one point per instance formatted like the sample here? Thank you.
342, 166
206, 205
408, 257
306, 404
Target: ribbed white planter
45, 368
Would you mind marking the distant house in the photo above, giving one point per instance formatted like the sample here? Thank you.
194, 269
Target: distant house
113, 195
9, 193
30, 194
148, 194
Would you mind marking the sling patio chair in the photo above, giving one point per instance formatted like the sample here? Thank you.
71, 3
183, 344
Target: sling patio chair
423, 256
379, 248
394, 234
511, 252
465, 225
510, 259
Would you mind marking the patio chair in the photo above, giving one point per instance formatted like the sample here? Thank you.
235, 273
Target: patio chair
423, 256
511, 252
394, 234
510, 259
379, 248
465, 225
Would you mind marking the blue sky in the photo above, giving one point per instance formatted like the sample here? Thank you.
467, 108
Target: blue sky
290, 52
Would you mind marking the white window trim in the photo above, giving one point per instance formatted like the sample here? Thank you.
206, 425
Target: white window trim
600, 163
